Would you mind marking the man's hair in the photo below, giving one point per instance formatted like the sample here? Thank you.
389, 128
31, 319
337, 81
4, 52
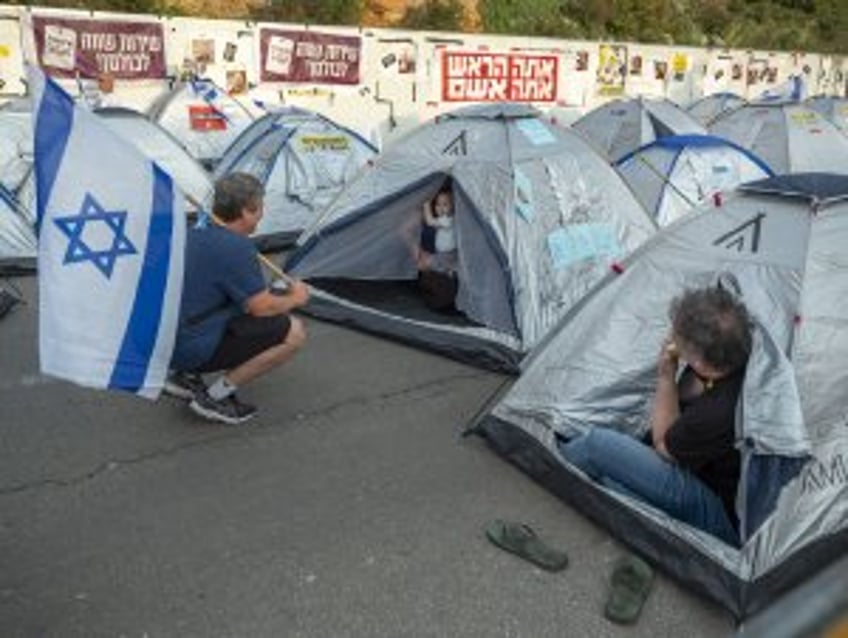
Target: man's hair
235, 192
715, 323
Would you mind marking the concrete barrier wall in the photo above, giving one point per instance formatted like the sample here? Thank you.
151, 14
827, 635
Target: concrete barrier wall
382, 82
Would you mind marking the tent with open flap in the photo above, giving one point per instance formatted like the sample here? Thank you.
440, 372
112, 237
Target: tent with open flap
540, 217
778, 244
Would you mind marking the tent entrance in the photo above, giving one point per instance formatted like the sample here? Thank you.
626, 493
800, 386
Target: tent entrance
391, 296
377, 243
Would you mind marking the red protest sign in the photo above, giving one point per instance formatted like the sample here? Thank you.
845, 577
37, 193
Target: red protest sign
307, 56
498, 77
125, 49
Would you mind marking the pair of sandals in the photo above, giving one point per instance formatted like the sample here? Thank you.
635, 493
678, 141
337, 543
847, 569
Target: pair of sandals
630, 582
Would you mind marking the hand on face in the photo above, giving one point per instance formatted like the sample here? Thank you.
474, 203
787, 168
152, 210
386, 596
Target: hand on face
669, 358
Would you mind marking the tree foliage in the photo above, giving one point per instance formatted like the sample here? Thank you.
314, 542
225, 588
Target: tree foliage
807, 25
311, 11
811, 25
434, 15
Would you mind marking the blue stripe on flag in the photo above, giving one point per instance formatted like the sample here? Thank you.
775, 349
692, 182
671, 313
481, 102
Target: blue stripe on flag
143, 327
52, 130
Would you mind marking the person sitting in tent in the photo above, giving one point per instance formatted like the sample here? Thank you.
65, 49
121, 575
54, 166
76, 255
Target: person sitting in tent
229, 319
692, 469
436, 252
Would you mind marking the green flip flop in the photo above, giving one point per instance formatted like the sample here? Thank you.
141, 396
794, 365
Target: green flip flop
522, 541
630, 585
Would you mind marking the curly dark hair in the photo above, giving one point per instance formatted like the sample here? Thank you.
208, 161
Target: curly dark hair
716, 324
234, 192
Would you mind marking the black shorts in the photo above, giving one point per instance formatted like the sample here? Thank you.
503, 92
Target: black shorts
246, 336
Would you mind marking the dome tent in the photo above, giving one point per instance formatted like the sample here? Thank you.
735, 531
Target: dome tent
710, 107
621, 126
161, 147
17, 235
15, 142
303, 159
202, 117
540, 217
835, 109
789, 137
18, 243
674, 174
778, 243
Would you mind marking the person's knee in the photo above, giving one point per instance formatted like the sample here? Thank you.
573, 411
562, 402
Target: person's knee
296, 336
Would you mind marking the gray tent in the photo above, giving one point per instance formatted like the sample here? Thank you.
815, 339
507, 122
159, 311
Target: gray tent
835, 109
15, 142
621, 126
540, 218
17, 234
708, 108
304, 160
675, 174
789, 137
779, 243
17, 199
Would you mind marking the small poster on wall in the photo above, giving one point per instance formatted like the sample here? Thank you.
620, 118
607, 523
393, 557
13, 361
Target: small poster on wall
236, 82
636, 65
612, 69
679, 66
203, 51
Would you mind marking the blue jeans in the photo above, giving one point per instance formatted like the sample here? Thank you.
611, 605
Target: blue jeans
622, 463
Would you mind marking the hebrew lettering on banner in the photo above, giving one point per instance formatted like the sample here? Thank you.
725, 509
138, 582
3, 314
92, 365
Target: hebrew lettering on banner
125, 49
499, 77
307, 56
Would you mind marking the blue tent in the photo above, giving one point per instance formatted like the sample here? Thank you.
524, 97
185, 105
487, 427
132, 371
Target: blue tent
673, 175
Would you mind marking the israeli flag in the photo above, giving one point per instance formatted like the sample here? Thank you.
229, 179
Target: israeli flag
111, 237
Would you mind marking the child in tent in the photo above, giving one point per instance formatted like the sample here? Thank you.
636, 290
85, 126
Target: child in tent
436, 253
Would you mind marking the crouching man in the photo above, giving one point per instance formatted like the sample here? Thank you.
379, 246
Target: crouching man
230, 320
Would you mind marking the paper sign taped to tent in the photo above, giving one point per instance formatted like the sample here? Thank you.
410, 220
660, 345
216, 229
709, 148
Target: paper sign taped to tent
324, 142
206, 118
535, 132
523, 196
581, 241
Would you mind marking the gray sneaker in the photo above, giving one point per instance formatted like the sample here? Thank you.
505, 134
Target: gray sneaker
227, 410
184, 385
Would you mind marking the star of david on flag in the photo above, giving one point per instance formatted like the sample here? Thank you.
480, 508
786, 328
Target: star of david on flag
79, 251
111, 238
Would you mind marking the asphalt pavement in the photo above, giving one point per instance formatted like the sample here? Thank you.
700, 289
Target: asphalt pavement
350, 507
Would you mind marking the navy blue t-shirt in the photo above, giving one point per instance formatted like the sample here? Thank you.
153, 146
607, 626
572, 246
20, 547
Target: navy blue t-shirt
221, 274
